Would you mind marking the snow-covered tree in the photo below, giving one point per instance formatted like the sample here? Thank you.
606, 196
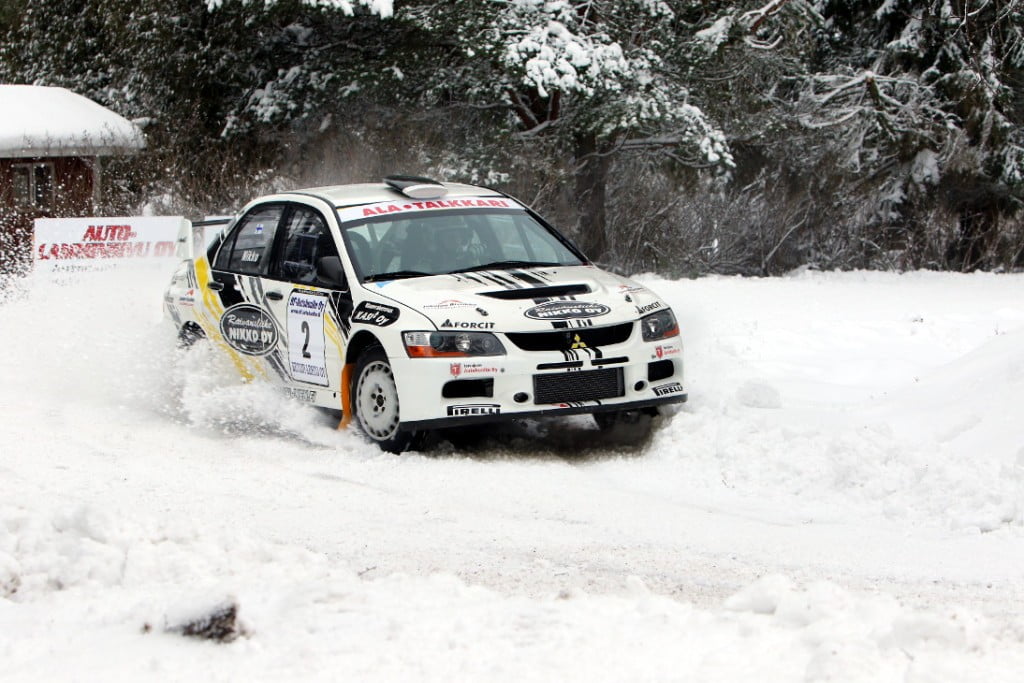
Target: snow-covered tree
213, 87
594, 75
855, 133
382, 7
923, 100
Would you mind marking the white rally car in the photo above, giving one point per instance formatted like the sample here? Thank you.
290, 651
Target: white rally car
411, 305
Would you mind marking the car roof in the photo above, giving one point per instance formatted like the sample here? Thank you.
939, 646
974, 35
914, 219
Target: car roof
366, 193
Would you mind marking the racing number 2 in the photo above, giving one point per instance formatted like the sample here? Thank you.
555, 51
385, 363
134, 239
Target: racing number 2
305, 344
307, 357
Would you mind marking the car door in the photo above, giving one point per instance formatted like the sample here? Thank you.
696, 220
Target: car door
309, 309
245, 321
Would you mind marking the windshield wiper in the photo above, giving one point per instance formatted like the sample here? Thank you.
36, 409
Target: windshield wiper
503, 265
396, 275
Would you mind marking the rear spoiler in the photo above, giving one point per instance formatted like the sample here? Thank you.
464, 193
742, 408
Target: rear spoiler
196, 236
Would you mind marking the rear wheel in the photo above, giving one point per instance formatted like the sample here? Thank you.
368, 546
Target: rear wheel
375, 402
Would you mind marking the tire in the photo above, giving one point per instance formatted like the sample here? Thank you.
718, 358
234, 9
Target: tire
375, 402
633, 425
189, 334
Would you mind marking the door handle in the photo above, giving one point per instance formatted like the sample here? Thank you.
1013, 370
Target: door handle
274, 295
215, 286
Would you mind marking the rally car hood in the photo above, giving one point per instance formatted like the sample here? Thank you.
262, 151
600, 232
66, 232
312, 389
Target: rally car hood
523, 299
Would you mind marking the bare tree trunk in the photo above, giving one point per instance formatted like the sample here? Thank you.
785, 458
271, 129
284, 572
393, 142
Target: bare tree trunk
974, 246
590, 178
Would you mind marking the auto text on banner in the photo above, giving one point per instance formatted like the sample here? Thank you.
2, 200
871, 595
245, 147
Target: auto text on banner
91, 243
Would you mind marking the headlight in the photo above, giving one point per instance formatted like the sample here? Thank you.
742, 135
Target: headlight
660, 325
434, 344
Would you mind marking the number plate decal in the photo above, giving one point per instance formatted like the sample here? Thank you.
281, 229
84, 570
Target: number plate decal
307, 356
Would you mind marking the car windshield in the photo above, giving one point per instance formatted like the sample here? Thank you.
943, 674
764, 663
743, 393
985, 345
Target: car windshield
436, 242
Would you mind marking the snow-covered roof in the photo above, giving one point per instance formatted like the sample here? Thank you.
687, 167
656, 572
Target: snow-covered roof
40, 121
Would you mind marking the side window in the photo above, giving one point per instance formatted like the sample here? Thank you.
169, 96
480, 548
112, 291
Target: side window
22, 185
42, 175
33, 185
306, 240
247, 249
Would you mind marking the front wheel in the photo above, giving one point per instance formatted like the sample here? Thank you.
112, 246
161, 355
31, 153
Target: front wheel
630, 425
375, 402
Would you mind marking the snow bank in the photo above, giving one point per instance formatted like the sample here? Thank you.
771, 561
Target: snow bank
840, 500
879, 394
100, 580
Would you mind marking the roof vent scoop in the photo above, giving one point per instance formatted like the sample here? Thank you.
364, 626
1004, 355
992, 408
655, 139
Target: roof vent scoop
416, 187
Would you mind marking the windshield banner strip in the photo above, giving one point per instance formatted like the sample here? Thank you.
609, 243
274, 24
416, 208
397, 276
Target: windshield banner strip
385, 208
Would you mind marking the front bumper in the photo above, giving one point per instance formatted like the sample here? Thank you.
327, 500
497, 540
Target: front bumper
445, 422
444, 392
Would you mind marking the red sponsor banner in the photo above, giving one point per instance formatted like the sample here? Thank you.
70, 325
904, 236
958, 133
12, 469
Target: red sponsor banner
385, 208
86, 243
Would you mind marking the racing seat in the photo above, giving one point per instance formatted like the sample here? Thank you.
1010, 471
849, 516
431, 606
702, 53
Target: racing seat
306, 246
415, 252
363, 250
297, 264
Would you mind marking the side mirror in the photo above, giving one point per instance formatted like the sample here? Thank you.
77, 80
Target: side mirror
332, 273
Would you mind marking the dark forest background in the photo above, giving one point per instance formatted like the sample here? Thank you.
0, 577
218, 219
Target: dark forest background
661, 135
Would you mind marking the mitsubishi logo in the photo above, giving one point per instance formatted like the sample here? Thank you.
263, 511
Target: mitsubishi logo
577, 343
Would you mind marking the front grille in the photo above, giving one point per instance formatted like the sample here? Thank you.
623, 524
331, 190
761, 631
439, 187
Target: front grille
567, 387
559, 340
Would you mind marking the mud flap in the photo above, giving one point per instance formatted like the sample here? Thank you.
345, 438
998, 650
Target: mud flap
346, 395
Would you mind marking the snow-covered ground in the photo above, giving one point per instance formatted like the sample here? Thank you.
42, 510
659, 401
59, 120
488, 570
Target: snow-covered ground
842, 499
